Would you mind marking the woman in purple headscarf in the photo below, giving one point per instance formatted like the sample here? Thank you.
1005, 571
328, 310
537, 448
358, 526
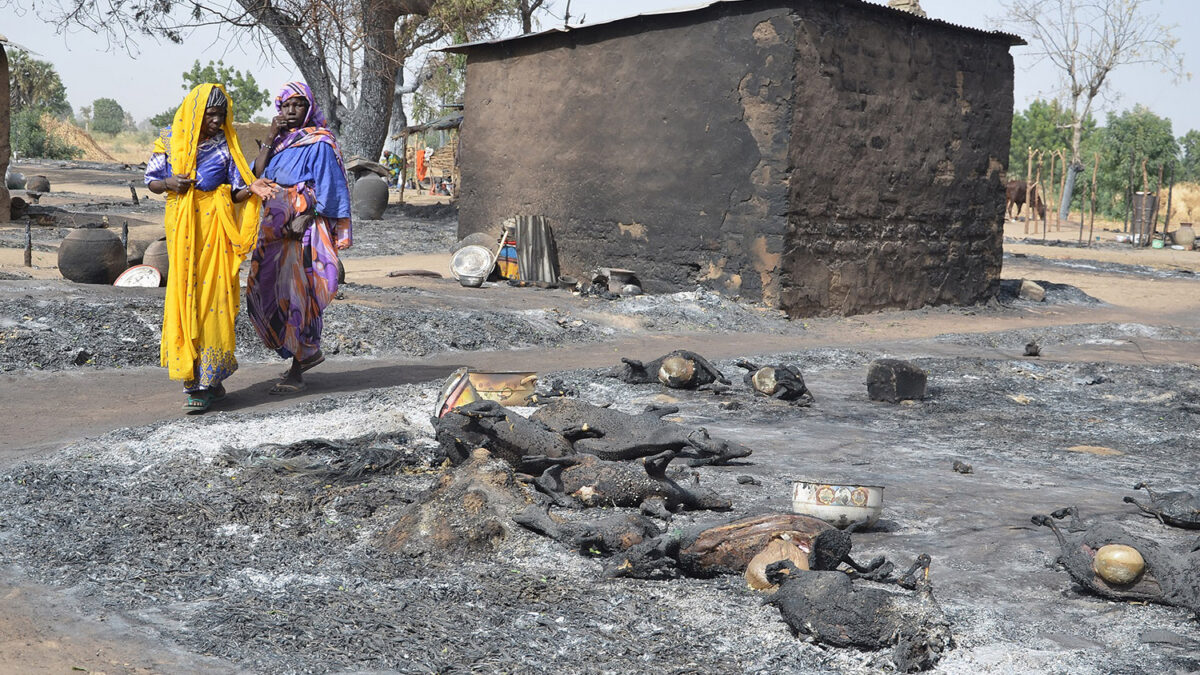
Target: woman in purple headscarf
294, 270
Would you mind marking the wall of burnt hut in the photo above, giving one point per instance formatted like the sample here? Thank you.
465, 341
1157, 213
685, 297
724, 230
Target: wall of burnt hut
822, 157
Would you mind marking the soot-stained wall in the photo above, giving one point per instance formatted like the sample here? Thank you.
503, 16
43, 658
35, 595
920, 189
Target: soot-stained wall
759, 148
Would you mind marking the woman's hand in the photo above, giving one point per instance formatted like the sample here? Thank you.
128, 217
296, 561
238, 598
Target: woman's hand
178, 183
278, 126
264, 189
299, 225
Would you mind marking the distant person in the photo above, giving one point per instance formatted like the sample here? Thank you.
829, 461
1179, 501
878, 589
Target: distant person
392, 162
294, 271
211, 223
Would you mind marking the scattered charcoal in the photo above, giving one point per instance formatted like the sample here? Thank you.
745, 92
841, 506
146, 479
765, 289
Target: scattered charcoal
82, 357
331, 461
835, 610
1032, 348
730, 405
1177, 509
963, 467
681, 369
893, 381
1110, 562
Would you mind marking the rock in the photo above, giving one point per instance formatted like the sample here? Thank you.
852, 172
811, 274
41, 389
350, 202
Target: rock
748, 480
1031, 291
893, 380
963, 467
1032, 348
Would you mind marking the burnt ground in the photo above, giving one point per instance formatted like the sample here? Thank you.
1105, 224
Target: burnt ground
175, 530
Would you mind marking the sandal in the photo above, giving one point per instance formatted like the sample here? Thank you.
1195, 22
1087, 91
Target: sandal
285, 388
312, 362
198, 402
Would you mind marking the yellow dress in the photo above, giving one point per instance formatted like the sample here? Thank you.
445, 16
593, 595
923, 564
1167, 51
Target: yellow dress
208, 237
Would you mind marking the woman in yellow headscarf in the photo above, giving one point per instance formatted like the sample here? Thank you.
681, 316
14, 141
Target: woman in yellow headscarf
212, 224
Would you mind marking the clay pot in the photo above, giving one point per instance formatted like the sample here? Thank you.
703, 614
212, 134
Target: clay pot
37, 184
156, 257
370, 197
15, 181
1185, 236
91, 255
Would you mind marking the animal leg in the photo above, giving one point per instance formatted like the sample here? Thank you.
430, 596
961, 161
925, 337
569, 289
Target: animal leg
661, 411
712, 370
656, 466
550, 484
1143, 486
913, 580
1143, 507
1046, 521
656, 507
577, 432
742, 363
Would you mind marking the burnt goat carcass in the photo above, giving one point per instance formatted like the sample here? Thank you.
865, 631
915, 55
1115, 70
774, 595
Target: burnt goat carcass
1177, 509
1108, 561
781, 382
680, 369
835, 609
709, 550
586, 480
504, 433
613, 435
602, 537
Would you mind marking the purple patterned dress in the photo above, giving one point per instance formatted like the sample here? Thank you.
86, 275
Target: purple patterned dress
292, 280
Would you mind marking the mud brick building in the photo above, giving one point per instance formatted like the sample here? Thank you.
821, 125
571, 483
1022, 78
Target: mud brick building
821, 156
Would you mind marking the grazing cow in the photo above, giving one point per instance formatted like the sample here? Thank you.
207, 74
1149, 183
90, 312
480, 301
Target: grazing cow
1014, 193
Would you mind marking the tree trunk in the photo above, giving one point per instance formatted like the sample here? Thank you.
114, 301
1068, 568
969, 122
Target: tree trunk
5, 150
365, 128
1064, 209
395, 140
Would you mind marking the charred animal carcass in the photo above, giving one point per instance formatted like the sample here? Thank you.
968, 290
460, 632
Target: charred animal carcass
602, 537
1110, 562
613, 435
468, 511
586, 480
504, 433
836, 610
1177, 509
681, 369
781, 382
728, 548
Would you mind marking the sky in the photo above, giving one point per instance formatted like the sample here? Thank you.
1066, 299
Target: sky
150, 81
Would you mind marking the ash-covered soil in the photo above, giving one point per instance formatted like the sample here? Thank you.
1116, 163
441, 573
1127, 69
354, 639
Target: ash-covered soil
272, 557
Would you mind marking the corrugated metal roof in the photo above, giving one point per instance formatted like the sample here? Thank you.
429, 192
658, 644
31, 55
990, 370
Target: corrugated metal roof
10, 43
467, 46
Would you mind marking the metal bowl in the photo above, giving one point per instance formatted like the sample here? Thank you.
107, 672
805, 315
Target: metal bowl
472, 261
470, 282
838, 505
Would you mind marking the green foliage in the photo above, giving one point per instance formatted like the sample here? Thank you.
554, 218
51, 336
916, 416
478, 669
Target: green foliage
29, 137
163, 119
1189, 158
242, 88
35, 84
1045, 125
108, 117
1134, 133
445, 87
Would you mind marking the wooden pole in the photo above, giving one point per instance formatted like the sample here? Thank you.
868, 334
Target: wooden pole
1048, 192
1062, 188
1170, 190
1028, 180
28, 245
1157, 200
5, 147
1129, 194
1092, 226
1036, 188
